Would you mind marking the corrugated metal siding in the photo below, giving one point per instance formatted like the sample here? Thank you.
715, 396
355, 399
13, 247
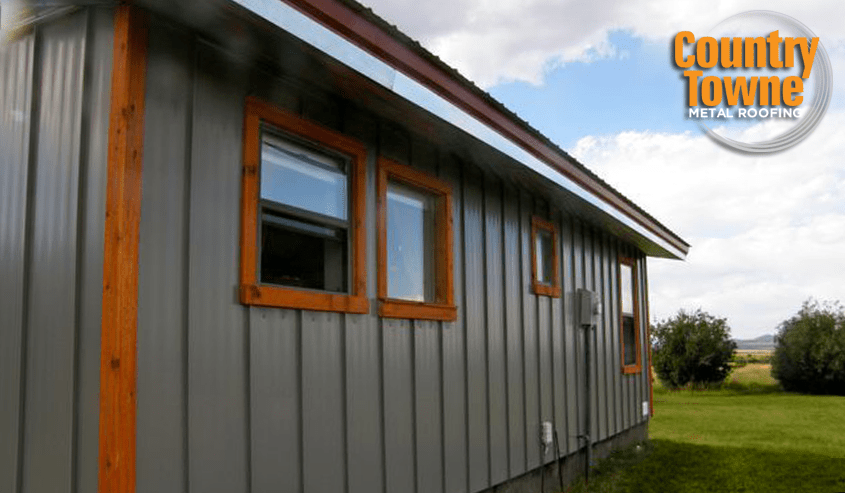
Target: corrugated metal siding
52, 161
16, 65
233, 398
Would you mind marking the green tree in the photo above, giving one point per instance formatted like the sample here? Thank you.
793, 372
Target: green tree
692, 348
810, 350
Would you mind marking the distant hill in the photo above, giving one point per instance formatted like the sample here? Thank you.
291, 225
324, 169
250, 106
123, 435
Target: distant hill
762, 343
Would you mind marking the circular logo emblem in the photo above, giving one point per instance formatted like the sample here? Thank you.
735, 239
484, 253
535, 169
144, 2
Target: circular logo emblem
767, 85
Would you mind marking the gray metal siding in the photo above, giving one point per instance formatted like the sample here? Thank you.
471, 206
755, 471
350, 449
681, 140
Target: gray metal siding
163, 266
217, 339
497, 401
16, 66
453, 341
54, 113
237, 398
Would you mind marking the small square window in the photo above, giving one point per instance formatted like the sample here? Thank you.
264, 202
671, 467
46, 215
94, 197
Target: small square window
544, 256
302, 226
415, 244
629, 325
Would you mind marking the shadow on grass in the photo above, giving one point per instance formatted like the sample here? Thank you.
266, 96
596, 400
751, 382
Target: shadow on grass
666, 466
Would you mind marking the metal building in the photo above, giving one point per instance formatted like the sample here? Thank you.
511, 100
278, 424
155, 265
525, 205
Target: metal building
275, 245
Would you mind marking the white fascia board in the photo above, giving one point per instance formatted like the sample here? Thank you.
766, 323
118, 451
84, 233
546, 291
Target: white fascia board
332, 44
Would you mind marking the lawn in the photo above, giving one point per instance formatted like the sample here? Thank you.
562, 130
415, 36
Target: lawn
748, 436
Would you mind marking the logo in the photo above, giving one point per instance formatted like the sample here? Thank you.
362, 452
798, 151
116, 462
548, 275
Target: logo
759, 81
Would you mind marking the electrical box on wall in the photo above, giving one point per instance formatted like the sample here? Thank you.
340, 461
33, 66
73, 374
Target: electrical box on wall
587, 307
645, 409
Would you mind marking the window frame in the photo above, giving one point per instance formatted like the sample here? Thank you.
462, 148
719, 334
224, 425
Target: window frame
252, 291
635, 294
443, 308
541, 288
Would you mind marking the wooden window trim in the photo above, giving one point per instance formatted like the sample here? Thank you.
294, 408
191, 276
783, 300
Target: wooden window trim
540, 288
444, 309
252, 292
637, 366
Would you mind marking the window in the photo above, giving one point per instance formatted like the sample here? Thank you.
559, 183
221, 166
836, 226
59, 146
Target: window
628, 308
414, 244
302, 214
544, 259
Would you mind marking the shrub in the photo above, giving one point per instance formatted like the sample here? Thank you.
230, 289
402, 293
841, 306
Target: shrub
810, 350
692, 348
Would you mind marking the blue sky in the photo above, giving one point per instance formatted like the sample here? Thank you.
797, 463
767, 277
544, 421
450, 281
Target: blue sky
635, 88
767, 231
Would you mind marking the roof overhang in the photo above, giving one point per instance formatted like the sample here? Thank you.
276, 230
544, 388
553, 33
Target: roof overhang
352, 39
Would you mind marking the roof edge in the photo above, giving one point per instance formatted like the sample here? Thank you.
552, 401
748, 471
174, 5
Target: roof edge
371, 34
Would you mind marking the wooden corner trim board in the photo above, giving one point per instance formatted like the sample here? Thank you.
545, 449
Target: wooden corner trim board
118, 353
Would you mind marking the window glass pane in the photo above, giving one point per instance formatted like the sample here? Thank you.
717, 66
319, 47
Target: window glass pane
296, 176
410, 243
630, 338
627, 288
301, 254
545, 256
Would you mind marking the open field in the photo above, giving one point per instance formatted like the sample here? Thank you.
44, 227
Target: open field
748, 436
755, 352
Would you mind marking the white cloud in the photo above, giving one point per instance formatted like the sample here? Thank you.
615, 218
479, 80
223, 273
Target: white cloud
766, 231
493, 41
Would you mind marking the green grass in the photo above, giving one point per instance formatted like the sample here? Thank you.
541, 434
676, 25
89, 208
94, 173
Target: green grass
747, 436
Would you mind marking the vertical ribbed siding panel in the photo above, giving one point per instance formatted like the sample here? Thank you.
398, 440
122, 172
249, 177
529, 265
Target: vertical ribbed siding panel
429, 449
323, 453
496, 350
558, 349
644, 342
544, 347
611, 309
570, 335
513, 328
53, 323
16, 66
580, 333
544, 344
217, 331
453, 340
601, 335
476, 335
364, 411
530, 346
610, 363
647, 344
398, 405
275, 400
95, 121
365, 470
163, 265
427, 378
589, 283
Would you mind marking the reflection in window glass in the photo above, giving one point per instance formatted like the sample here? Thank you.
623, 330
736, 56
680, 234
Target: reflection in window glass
297, 177
410, 243
627, 288
301, 254
544, 253
629, 337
